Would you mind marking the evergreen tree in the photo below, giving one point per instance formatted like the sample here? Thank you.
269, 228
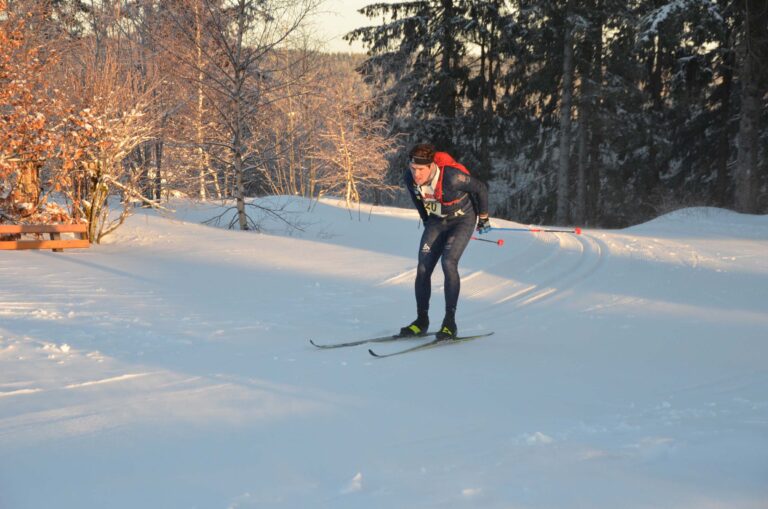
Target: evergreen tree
417, 56
572, 108
486, 32
753, 53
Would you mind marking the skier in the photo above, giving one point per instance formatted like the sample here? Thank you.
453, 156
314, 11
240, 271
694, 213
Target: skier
450, 202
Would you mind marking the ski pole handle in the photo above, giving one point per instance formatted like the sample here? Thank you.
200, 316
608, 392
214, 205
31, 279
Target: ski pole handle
499, 242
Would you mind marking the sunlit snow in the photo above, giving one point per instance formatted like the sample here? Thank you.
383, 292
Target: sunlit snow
170, 367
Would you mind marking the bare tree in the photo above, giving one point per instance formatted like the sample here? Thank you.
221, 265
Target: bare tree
232, 62
353, 145
110, 100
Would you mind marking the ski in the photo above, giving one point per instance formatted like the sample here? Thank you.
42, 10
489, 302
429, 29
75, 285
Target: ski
431, 344
382, 339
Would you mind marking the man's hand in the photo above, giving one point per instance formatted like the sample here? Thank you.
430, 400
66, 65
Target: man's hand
483, 224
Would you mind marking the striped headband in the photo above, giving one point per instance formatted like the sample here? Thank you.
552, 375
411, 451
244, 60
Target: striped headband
421, 160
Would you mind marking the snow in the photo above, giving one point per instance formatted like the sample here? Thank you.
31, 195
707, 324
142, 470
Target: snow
170, 367
650, 23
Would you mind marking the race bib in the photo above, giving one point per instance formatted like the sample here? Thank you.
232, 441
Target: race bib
434, 208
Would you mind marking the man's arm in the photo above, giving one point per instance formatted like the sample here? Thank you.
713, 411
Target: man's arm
473, 186
409, 185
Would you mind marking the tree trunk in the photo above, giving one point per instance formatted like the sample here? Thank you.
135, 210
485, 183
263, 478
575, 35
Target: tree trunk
158, 188
25, 196
446, 86
485, 160
651, 178
562, 214
580, 207
488, 104
586, 111
238, 152
595, 167
146, 181
724, 142
202, 163
238, 139
747, 177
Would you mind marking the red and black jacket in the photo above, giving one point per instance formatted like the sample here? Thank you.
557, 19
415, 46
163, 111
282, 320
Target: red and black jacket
456, 189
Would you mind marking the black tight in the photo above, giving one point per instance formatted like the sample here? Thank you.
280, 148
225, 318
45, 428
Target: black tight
446, 239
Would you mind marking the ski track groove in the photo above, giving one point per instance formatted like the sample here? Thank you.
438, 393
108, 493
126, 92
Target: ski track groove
589, 254
562, 281
510, 266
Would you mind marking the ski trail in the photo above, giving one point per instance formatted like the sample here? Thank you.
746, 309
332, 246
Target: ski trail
110, 380
405, 276
493, 281
19, 392
562, 284
564, 263
520, 251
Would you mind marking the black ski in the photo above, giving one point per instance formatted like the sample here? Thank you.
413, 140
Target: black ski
382, 339
431, 344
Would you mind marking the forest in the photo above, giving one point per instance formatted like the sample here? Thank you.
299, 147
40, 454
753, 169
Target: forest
597, 112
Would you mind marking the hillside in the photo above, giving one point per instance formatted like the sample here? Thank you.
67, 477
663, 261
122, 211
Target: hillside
170, 368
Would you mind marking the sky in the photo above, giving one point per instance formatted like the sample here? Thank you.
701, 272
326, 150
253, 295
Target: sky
336, 18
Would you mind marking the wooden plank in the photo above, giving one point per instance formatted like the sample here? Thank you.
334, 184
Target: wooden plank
43, 244
43, 228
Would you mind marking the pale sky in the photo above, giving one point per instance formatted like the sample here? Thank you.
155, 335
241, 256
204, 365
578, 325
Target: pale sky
337, 17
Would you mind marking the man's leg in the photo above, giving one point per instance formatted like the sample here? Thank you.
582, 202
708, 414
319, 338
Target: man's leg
430, 249
456, 242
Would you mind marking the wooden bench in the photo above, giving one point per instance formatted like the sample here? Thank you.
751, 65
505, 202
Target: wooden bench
55, 230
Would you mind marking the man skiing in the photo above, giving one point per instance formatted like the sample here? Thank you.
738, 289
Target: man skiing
452, 204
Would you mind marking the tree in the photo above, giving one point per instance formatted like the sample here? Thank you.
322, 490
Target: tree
417, 58
564, 169
27, 139
109, 119
241, 38
489, 33
353, 146
752, 56
589, 68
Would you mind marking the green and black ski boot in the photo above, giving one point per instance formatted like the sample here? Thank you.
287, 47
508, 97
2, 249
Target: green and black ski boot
447, 330
417, 328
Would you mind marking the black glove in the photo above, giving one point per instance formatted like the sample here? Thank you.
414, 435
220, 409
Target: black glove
483, 225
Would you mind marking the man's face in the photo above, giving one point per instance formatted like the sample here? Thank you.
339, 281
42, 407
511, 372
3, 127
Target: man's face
421, 173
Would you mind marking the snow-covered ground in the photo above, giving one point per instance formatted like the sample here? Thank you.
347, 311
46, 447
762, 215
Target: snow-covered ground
170, 368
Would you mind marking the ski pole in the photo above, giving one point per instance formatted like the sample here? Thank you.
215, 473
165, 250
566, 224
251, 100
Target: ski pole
576, 230
499, 242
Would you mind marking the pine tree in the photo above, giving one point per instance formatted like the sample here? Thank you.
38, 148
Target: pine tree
490, 37
752, 73
416, 56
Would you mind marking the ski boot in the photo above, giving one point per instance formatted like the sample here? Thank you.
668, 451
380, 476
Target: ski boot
417, 328
448, 329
